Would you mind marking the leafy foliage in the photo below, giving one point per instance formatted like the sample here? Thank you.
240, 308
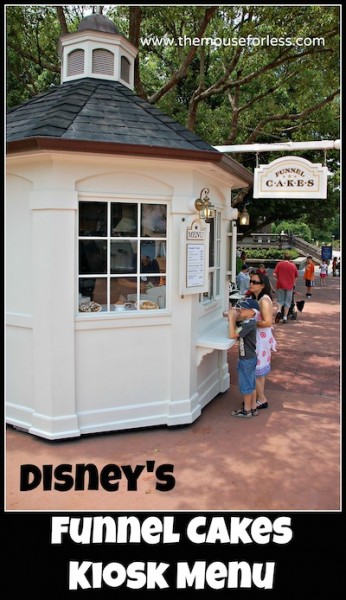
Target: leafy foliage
270, 253
192, 64
301, 230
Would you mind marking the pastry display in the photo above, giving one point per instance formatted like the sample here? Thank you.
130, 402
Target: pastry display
148, 305
90, 307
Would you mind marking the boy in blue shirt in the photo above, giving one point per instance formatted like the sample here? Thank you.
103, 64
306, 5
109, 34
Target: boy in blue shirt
244, 315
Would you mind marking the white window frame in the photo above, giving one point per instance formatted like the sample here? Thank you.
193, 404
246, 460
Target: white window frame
109, 200
214, 271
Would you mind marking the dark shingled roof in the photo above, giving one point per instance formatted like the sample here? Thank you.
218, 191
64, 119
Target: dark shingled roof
96, 110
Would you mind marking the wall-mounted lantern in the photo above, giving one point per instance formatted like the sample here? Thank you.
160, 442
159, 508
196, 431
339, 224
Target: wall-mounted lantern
244, 217
203, 205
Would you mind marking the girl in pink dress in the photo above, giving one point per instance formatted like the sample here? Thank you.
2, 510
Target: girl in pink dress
265, 341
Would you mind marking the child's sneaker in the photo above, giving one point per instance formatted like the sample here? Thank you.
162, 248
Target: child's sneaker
241, 412
255, 412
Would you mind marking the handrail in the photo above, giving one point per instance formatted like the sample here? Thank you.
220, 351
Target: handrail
282, 239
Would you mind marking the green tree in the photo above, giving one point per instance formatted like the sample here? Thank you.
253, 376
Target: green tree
198, 64
299, 229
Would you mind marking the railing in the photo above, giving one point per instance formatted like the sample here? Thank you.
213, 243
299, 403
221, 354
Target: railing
264, 238
306, 248
280, 241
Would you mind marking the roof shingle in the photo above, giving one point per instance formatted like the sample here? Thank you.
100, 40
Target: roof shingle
102, 111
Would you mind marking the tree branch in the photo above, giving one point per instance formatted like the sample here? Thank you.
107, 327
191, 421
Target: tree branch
181, 73
36, 60
291, 117
135, 19
62, 19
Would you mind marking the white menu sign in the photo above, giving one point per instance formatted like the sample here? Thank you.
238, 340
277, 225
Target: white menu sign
194, 255
195, 267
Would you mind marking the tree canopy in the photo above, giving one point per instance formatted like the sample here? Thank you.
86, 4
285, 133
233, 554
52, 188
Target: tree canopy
232, 74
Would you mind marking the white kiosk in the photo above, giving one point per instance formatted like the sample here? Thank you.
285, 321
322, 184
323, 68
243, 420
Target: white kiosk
115, 285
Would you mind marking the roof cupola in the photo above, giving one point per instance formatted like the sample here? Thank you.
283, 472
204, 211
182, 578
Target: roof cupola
98, 50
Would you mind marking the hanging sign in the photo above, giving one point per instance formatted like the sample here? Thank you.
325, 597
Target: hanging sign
290, 177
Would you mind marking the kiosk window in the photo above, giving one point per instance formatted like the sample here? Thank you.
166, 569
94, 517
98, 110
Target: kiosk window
214, 260
122, 256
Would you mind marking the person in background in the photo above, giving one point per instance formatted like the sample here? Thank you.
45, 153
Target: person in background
150, 265
334, 263
240, 260
261, 269
244, 315
243, 279
309, 276
286, 274
323, 272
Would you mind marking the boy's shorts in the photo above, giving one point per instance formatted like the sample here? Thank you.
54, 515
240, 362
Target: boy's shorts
247, 375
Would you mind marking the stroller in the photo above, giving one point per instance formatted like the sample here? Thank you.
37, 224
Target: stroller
292, 312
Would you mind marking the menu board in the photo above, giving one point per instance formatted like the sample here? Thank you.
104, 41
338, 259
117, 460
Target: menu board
194, 254
195, 268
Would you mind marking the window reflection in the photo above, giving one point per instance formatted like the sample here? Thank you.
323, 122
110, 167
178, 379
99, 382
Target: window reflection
92, 257
93, 290
92, 219
153, 220
121, 289
116, 270
124, 220
212, 243
123, 257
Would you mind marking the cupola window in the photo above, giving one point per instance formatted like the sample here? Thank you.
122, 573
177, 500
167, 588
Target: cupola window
125, 69
103, 62
75, 63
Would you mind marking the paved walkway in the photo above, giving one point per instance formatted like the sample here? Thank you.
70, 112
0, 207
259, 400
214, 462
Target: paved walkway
286, 459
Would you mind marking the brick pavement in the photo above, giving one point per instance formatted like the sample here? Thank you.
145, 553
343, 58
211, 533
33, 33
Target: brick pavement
287, 458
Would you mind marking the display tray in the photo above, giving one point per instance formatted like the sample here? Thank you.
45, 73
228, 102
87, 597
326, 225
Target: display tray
89, 307
147, 305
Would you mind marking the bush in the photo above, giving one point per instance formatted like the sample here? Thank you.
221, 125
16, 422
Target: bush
270, 253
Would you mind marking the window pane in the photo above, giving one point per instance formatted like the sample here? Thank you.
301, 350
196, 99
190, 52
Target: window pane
149, 263
123, 289
155, 250
212, 244
93, 219
93, 290
123, 257
123, 219
157, 293
92, 257
153, 220
217, 282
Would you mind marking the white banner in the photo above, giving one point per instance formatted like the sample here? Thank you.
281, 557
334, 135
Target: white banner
290, 177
